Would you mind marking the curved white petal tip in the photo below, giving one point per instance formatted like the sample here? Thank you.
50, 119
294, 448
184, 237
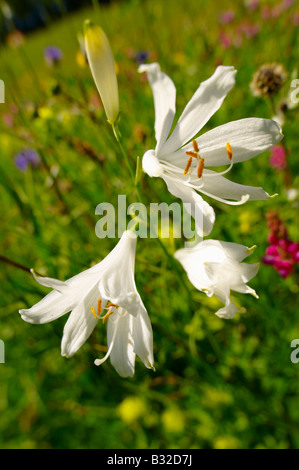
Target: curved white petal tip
98, 362
245, 198
149, 67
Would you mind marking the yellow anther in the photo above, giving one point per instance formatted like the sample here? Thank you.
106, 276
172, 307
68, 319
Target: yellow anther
107, 315
200, 167
229, 151
99, 306
93, 312
189, 162
191, 154
195, 146
109, 304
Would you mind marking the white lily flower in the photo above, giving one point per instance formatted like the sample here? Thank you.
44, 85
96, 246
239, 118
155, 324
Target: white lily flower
215, 267
105, 291
182, 162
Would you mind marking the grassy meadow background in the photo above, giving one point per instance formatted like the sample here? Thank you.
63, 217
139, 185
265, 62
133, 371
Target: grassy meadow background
218, 383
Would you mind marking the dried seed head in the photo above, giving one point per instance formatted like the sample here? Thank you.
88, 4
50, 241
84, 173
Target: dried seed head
268, 80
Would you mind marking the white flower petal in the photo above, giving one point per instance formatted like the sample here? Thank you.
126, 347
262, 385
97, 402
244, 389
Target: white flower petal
164, 93
221, 188
131, 302
247, 137
118, 283
151, 164
63, 298
244, 289
204, 103
228, 311
52, 306
194, 204
214, 267
122, 355
232, 250
248, 271
80, 324
143, 338
56, 284
193, 264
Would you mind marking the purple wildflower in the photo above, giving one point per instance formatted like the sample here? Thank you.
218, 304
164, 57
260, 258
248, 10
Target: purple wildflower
141, 57
21, 161
52, 55
25, 158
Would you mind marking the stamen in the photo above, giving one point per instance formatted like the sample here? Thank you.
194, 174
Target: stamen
200, 167
109, 304
229, 151
191, 154
195, 146
99, 306
104, 318
93, 312
189, 162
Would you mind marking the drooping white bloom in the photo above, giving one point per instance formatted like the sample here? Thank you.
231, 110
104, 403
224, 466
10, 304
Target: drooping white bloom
127, 336
105, 291
215, 268
101, 62
182, 162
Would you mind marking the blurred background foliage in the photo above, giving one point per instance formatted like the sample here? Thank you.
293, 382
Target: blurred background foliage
218, 384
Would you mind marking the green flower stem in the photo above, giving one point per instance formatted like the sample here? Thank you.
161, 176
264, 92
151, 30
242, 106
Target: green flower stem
118, 139
287, 172
272, 105
134, 175
33, 75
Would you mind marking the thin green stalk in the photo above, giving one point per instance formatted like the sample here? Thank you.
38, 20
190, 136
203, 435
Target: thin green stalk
171, 259
118, 138
272, 105
33, 75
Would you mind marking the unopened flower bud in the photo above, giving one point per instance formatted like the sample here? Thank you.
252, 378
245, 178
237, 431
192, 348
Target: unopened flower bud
102, 67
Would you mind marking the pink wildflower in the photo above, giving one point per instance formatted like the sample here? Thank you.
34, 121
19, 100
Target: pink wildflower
282, 254
278, 158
